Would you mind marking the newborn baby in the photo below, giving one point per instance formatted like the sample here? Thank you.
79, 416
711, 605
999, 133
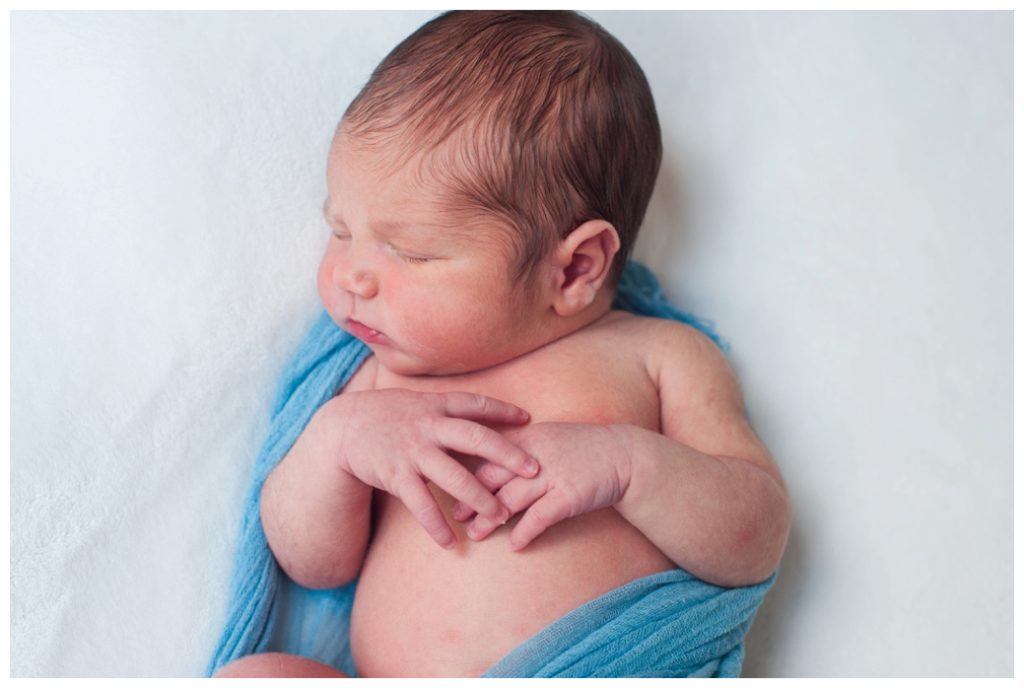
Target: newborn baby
514, 447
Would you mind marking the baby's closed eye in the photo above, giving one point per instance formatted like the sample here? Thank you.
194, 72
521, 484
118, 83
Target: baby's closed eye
413, 259
409, 256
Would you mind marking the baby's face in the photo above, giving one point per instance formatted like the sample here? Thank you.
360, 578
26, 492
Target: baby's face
429, 298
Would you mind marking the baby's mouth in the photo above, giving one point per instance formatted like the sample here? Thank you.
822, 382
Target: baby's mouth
367, 334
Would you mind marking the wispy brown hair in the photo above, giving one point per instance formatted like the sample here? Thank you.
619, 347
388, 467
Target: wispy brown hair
549, 119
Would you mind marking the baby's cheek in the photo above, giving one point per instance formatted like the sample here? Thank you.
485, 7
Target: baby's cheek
439, 334
326, 298
328, 294
445, 336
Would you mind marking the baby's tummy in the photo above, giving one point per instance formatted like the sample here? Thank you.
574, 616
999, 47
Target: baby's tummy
421, 610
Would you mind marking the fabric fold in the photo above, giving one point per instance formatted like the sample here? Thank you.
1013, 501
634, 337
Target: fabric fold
666, 625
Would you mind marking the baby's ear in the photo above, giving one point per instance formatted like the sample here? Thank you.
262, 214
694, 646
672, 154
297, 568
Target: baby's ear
583, 260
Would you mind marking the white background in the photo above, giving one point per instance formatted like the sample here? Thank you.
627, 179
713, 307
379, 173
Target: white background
835, 195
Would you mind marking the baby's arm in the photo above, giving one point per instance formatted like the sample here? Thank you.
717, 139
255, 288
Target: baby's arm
706, 490
316, 517
315, 505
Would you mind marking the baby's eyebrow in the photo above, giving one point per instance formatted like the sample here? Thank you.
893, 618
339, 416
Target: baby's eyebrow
382, 226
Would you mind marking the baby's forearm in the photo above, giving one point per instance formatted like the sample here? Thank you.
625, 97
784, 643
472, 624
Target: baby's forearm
315, 515
723, 519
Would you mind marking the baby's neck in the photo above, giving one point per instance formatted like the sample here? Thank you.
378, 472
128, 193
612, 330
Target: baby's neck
554, 326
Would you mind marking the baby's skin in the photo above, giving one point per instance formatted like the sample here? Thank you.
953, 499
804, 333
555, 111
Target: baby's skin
505, 455
462, 610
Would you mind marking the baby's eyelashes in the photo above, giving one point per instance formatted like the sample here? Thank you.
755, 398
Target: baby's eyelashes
413, 259
408, 256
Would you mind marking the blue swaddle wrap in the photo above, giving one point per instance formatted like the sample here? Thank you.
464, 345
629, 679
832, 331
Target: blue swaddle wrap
669, 624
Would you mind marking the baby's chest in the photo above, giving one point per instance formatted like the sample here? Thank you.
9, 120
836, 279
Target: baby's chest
566, 386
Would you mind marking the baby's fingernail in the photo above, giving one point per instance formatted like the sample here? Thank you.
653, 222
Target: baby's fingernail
450, 544
473, 532
531, 466
502, 516
458, 511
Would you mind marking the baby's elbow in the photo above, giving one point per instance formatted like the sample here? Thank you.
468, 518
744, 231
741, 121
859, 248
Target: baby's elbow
760, 542
327, 582
752, 549
322, 577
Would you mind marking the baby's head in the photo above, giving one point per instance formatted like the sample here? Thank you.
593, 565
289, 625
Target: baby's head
534, 131
549, 119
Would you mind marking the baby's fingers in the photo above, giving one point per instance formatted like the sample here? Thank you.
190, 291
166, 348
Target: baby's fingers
493, 477
545, 512
452, 477
461, 512
517, 495
481, 408
417, 498
473, 439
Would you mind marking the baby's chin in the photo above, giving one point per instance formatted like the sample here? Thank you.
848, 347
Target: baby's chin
408, 364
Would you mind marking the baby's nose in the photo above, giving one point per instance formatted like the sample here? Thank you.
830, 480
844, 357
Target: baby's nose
358, 281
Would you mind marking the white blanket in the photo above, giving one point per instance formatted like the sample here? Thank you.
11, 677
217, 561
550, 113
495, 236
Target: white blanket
835, 195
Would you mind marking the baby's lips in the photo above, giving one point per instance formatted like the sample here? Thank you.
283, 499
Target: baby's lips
363, 332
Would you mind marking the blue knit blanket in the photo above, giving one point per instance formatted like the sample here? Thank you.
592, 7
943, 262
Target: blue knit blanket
669, 624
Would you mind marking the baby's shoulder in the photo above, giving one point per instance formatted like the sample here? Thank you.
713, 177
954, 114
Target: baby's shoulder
662, 342
684, 364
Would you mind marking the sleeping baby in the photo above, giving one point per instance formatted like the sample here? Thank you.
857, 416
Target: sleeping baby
514, 448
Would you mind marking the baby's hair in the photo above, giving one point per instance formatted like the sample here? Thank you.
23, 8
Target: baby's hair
549, 121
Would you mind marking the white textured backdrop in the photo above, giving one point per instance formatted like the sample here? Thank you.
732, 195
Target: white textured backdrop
835, 195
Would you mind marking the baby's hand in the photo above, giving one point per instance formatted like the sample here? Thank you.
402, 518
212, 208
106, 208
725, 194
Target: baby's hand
583, 468
395, 440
